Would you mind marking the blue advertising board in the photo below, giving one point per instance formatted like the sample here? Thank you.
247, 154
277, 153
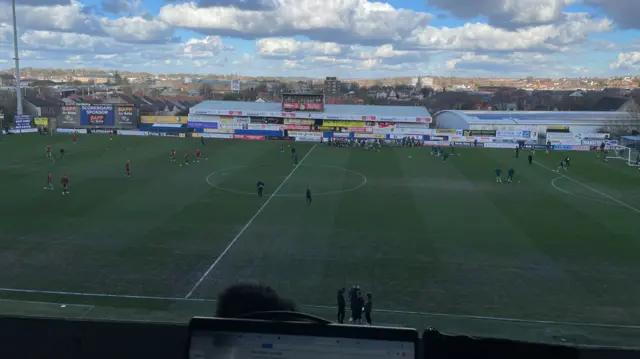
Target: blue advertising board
22, 122
202, 124
97, 115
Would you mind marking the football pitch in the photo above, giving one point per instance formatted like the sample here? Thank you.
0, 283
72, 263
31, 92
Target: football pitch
550, 257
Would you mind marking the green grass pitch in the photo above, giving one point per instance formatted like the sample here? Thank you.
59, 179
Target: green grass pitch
550, 257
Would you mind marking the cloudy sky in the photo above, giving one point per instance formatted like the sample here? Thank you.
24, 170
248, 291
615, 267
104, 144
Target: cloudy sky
345, 38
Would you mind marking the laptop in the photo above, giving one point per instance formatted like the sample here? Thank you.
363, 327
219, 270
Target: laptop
217, 338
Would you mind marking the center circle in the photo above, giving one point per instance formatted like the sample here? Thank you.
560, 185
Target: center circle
357, 185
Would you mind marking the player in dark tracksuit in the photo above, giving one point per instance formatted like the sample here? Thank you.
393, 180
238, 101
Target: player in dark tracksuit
530, 157
517, 152
293, 151
260, 185
341, 305
308, 195
353, 301
368, 306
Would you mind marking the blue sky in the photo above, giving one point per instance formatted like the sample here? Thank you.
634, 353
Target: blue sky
345, 38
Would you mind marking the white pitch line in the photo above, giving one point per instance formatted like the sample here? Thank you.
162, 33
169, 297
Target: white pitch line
246, 226
592, 189
327, 307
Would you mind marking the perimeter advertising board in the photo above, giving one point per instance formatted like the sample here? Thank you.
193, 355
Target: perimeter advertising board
489, 133
101, 115
69, 117
126, 116
22, 122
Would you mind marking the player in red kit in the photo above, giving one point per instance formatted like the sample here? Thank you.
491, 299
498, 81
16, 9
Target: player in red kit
186, 158
65, 184
75, 138
127, 168
173, 155
49, 184
48, 151
197, 155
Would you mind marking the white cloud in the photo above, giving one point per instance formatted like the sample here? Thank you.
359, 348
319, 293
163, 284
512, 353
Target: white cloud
207, 47
479, 36
56, 41
624, 12
6, 32
137, 29
344, 21
105, 56
74, 18
76, 59
288, 47
507, 13
627, 60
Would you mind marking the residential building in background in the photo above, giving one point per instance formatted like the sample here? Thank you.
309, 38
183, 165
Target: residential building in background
301, 86
331, 86
97, 79
7, 79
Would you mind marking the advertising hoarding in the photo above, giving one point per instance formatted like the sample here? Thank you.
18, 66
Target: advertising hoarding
248, 137
41, 121
97, 115
332, 123
202, 125
296, 121
302, 106
22, 122
126, 116
490, 133
235, 85
168, 119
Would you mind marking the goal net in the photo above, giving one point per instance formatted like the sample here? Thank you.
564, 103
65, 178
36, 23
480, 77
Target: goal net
629, 155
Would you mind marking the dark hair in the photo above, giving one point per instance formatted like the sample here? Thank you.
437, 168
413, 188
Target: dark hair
245, 298
369, 296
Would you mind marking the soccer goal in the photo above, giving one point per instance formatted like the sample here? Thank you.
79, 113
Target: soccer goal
629, 155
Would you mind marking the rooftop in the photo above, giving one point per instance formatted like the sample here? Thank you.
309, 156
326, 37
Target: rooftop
538, 117
329, 110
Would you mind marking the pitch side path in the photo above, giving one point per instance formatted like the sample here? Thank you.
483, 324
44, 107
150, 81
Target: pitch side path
552, 258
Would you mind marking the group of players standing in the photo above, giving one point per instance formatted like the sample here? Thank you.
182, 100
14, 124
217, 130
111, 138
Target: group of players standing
357, 303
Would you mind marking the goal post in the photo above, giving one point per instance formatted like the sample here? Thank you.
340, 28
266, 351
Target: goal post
627, 154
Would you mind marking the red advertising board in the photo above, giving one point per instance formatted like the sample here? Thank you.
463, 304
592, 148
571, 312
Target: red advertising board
288, 114
360, 129
302, 106
235, 113
248, 137
423, 119
368, 118
297, 127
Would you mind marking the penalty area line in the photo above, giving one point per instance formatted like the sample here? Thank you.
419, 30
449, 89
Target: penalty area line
233, 241
591, 189
324, 307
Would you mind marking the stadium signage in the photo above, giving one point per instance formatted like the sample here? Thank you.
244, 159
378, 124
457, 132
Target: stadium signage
126, 115
302, 106
490, 133
341, 135
303, 134
343, 123
218, 130
233, 126
213, 125
467, 144
297, 127
248, 137
436, 143
450, 132
22, 122
70, 130
172, 119
99, 131
593, 135
309, 139
368, 118
535, 147
369, 135
41, 121
131, 133
501, 145
563, 147
599, 142
217, 135
581, 148
311, 115
97, 115
515, 134
295, 121
263, 126
246, 120
360, 129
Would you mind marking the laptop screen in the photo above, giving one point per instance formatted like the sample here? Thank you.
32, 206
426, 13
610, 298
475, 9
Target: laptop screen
234, 345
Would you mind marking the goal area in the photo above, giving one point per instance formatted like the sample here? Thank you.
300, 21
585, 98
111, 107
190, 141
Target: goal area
627, 154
